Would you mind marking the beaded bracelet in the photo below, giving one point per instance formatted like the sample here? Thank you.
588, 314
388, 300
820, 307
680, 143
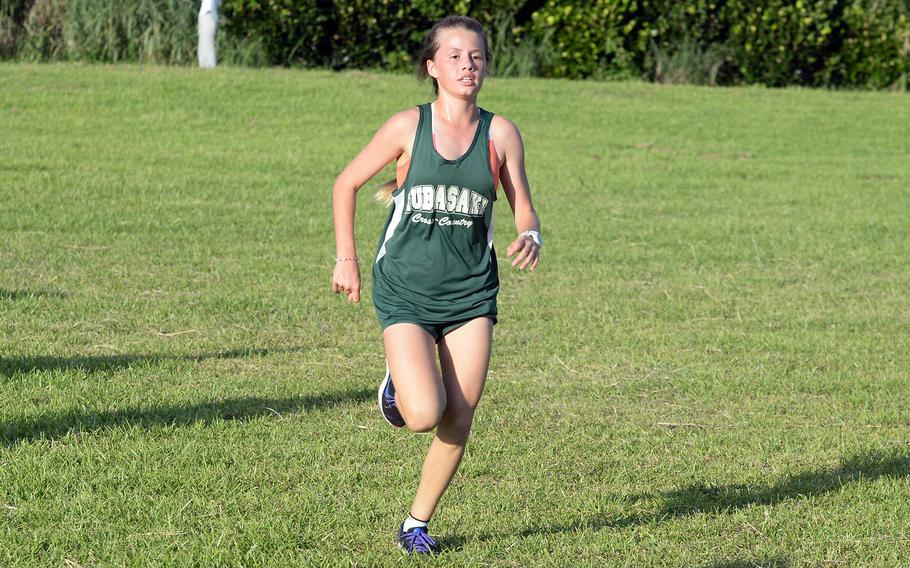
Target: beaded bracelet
342, 259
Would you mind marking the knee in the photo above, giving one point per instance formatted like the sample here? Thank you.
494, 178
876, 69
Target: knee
455, 425
422, 420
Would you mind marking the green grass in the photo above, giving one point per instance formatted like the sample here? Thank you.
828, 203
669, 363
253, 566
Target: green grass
709, 367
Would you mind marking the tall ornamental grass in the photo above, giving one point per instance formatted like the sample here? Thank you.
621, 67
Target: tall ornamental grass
145, 31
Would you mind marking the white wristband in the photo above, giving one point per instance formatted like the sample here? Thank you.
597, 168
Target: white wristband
534, 236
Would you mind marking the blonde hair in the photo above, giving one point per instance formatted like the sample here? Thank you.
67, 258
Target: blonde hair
384, 193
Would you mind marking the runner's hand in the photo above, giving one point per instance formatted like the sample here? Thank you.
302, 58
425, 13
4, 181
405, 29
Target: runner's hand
346, 279
527, 250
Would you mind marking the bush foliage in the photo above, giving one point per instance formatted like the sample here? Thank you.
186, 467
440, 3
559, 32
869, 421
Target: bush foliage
856, 43
774, 42
349, 33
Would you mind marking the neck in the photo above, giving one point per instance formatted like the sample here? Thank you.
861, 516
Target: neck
456, 111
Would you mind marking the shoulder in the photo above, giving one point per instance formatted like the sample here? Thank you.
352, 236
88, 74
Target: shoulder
399, 131
505, 133
503, 129
404, 120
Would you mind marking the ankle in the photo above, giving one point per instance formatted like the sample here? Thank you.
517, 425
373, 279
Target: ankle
411, 522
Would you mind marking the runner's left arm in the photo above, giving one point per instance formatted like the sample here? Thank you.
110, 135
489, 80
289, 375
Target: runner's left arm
515, 184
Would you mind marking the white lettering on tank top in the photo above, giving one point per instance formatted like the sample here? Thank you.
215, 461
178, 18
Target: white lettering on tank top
442, 199
440, 202
442, 221
451, 198
462, 206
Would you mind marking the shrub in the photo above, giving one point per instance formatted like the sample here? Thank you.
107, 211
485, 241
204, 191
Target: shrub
349, 33
864, 43
290, 30
820, 42
603, 35
775, 42
874, 49
688, 63
515, 53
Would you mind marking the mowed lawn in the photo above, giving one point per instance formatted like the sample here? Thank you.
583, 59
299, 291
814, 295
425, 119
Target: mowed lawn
709, 368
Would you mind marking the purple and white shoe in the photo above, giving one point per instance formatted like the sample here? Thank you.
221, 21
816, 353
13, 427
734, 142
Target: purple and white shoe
416, 541
387, 405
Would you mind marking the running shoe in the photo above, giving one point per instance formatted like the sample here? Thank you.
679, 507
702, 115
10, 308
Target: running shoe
416, 541
387, 401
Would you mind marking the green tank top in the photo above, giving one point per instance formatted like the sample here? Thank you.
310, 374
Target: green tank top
435, 262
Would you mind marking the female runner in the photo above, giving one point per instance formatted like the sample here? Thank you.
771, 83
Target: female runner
435, 275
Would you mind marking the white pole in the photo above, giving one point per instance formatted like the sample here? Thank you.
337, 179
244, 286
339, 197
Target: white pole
208, 24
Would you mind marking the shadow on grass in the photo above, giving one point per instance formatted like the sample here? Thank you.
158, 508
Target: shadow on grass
713, 499
58, 424
103, 363
718, 499
28, 294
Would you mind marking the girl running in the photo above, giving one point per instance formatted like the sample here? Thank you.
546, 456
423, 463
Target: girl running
435, 275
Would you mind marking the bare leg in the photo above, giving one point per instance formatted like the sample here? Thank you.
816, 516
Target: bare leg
419, 394
464, 355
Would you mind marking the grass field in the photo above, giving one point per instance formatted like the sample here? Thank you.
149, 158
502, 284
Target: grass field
709, 367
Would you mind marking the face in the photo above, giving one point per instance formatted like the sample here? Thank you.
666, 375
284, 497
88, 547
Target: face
459, 64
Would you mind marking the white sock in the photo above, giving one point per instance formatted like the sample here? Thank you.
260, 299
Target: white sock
411, 522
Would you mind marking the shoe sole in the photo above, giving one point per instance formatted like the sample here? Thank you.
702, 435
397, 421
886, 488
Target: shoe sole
382, 385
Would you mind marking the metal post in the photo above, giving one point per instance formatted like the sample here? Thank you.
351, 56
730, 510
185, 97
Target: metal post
208, 24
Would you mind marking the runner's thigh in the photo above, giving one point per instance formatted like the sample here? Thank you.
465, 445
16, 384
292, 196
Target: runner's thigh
411, 355
465, 358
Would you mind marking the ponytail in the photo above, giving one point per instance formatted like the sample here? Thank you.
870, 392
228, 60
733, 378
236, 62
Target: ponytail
384, 193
